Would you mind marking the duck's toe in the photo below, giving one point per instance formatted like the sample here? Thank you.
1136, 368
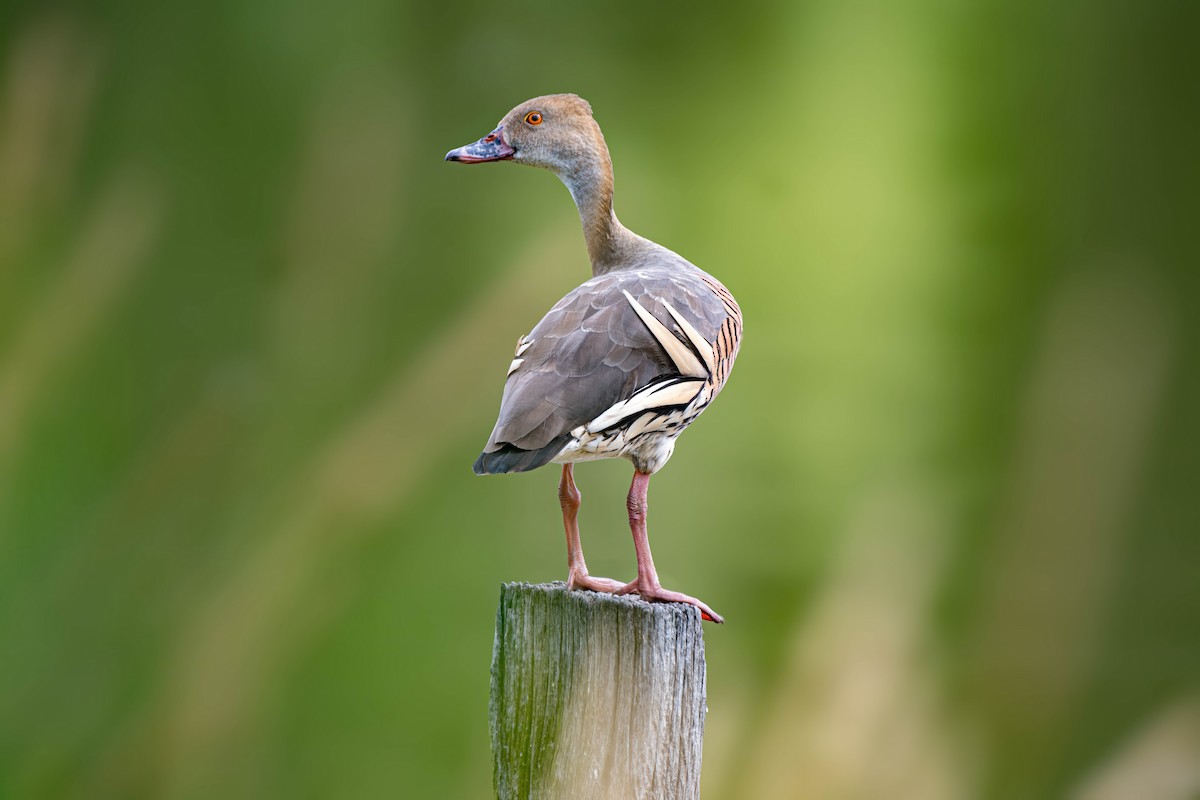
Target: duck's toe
655, 593
579, 579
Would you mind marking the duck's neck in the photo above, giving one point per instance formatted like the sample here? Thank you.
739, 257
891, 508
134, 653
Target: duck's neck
609, 243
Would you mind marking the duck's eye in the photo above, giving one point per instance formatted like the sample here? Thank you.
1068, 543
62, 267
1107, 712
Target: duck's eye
533, 118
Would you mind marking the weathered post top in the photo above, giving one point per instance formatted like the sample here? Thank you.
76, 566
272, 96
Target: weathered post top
595, 696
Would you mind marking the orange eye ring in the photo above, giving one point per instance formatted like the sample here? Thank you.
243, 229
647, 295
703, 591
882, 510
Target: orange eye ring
533, 118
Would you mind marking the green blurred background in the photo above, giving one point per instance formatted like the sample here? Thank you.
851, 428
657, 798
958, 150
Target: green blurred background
253, 332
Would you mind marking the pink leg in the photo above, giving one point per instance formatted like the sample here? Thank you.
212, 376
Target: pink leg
647, 584
577, 574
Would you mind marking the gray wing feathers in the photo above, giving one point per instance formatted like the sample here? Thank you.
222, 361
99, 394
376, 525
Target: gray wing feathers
591, 351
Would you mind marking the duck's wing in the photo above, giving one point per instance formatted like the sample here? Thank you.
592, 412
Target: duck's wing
598, 346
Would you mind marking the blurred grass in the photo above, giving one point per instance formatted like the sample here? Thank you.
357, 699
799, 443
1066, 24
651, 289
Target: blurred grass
252, 334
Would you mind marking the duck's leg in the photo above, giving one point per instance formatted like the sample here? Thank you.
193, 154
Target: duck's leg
647, 584
577, 574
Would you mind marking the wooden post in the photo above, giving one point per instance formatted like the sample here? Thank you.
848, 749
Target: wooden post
595, 696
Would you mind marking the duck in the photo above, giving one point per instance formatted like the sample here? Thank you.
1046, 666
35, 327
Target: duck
622, 364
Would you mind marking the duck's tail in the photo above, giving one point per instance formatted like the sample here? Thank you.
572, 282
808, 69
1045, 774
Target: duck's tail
509, 458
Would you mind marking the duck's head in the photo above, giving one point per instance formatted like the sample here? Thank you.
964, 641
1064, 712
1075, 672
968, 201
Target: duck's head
555, 131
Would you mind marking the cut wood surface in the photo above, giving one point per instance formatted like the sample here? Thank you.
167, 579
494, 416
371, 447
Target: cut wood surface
595, 696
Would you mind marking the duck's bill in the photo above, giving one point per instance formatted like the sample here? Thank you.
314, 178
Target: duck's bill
490, 148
